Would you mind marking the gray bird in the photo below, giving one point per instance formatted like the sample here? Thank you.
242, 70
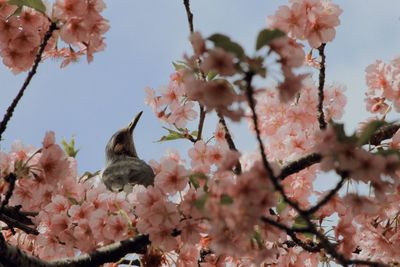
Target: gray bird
124, 169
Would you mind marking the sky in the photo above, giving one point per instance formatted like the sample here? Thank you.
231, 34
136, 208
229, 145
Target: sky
92, 101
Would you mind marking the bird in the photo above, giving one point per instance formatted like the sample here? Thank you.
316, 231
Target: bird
124, 168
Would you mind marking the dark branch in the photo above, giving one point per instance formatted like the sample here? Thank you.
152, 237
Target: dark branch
229, 140
384, 133
15, 223
12, 256
250, 99
328, 197
321, 116
189, 15
201, 122
10, 179
32, 72
312, 247
298, 165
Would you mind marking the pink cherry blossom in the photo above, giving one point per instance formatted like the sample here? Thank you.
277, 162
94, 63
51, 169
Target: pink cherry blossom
199, 157
172, 177
219, 61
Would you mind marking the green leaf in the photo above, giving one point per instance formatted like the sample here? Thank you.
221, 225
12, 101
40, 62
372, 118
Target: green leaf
201, 201
281, 206
226, 200
73, 201
35, 4
172, 135
258, 238
387, 152
195, 177
369, 130
194, 133
227, 44
17, 12
69, 148
266, 36
300, 222
341, 134
88, 175
211, 75
193, 180
179, 66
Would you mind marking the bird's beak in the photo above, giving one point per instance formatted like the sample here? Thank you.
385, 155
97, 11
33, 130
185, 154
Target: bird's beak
133, 123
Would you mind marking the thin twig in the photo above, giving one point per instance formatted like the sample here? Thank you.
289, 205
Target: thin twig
201, 122
271, 176
229, 140
328, 197
292, 233
321, 116
249, 93
32, 72
189, 15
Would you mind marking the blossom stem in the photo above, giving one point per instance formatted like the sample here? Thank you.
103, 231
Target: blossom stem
321, 116
32, 72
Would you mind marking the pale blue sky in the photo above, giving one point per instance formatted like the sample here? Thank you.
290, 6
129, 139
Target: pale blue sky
92, 101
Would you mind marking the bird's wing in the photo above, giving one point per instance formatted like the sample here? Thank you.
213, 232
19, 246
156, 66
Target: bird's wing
129, 171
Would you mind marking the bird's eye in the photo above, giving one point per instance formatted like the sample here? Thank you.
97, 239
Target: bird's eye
119, 138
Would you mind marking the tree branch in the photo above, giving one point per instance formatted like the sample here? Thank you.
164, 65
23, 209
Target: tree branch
32, 72
321, 116
10, 179
189, 14
384, 133
323, 240
229, 140
328, 197
15, 223
298, 165
12, 256
312, 247
250, 99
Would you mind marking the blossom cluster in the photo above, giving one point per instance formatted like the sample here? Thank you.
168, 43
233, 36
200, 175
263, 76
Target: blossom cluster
172, 106
79, 25
82, 26
311, 20
206, 76
366, 222
72, 216
20, 36
289, 128
383, 81
291, 56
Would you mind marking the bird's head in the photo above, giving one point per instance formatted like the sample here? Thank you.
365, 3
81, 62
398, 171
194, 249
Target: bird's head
121, 143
